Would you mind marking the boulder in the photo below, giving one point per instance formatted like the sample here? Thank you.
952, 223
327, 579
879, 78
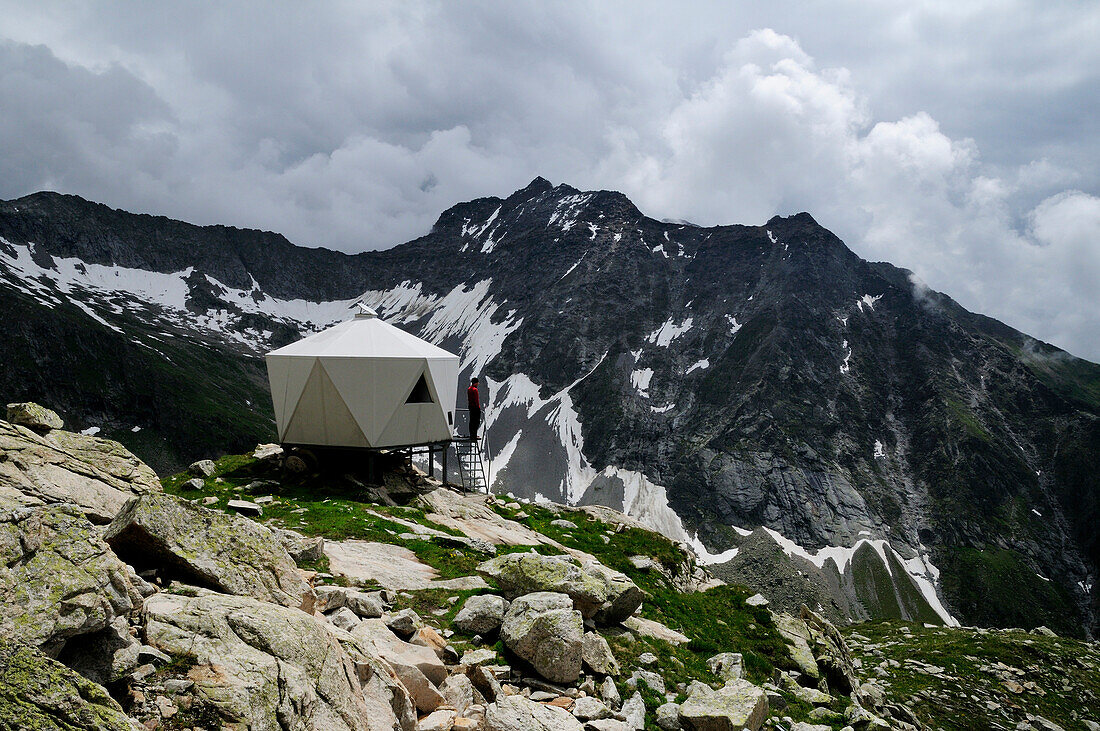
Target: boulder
245, 507
110, 457
270, 667
652, 680
58, 579
458, 691
427, 637
404, 622
834, 661
656, 630
607, 724
726, 665
378, 680
34, 417
623, 595
39, 693
634, 711
209, 548
485, 682
303, 549
366, 605
668, 716
343, 618
484, 656
330, 597
202, 468
609, 693
98, 475
597, 655
441, 720
587, 708
516, 713
481, 614
597, 591
737, 705
419, 668
861, 719
545, 630
797, 636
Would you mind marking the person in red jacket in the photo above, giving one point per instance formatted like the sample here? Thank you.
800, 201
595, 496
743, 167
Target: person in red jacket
474, 402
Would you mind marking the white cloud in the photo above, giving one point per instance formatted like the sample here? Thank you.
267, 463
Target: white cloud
971, 158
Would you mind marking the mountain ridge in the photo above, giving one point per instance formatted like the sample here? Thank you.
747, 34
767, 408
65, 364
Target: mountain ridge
710, 378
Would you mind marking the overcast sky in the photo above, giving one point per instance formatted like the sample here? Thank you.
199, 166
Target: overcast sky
958, 139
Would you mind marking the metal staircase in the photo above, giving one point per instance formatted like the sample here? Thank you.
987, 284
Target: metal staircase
471, 464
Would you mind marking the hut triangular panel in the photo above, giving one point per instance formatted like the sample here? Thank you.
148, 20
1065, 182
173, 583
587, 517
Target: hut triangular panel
321, 416
349, 386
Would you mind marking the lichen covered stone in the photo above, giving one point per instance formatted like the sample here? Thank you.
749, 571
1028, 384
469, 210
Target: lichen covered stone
33, 416
39, 693
58, 579
271, 667
99, 475
737, 705
545, 630
596, 590
216, 550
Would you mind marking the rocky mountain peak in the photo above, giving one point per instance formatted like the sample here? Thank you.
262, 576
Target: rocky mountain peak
719, 382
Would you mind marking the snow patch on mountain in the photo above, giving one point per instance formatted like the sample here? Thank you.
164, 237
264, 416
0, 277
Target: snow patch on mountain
698, 365
568, 209
468, 314
647, 502
705, 557
734, 325
560, 414
668, 332
640, 380
869, 301
920, 567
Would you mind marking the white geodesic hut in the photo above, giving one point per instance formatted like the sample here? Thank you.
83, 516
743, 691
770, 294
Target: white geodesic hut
363, 383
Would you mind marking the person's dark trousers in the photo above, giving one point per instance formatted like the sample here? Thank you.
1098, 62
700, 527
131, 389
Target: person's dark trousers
475, 422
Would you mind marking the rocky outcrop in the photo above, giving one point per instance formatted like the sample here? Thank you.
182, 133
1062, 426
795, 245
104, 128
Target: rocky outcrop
597, 655
419, 668
212, 549
58, 579
797, 636
545, 630
99, 475
596, 590
271, 667
831, 653
516, 713
39, 693
105, 657
737, 705
481, 614
34, 417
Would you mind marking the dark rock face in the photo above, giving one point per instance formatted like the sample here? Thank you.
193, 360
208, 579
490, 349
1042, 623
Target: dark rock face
742, 375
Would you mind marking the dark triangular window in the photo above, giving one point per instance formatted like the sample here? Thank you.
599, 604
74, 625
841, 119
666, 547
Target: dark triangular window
420, 393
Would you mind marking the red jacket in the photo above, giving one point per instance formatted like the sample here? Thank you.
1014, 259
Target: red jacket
473, 399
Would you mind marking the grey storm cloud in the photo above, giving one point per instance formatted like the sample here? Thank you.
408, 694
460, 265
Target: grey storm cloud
958, 139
